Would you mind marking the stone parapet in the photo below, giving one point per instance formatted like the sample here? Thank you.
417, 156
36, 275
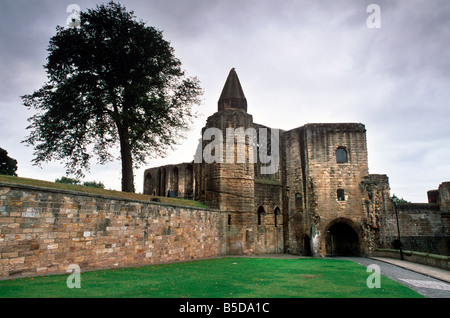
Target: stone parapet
43, 231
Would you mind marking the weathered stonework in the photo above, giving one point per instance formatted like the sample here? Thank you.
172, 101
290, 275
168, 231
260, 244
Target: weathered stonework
321, 200
422, 227
45, 230
318, 179
293, 209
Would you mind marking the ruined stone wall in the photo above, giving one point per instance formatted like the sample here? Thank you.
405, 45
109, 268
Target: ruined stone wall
423, 228
44, 230
377, 204
270, 224
294, 193
246, 237
268, 196
170, 180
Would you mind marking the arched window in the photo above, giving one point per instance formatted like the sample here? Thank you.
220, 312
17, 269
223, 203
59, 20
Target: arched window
275, 216
260, 214
341, 155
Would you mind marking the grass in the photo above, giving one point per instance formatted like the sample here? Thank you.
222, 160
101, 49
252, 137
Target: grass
217, 278
267, 181
98, 191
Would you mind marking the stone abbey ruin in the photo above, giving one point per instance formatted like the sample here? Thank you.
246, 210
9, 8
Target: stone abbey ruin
304, 191
320, 201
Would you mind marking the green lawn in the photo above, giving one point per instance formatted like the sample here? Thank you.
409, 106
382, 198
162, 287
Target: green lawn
217, 278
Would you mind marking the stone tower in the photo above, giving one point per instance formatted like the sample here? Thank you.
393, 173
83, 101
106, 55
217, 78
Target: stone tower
327, 194
225, 181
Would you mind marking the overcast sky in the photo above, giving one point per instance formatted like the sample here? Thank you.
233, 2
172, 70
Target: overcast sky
299, 62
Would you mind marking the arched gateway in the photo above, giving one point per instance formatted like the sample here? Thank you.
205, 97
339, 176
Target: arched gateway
342, 238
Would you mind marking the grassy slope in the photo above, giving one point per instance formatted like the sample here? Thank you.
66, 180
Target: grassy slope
80, 188
218, 278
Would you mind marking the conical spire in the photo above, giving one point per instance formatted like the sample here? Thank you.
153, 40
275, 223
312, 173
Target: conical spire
232, 94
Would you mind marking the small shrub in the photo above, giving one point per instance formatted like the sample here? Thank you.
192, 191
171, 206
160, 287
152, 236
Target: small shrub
67, 180
94, 184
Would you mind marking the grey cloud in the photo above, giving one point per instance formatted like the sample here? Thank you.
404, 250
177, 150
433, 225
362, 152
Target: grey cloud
298, 61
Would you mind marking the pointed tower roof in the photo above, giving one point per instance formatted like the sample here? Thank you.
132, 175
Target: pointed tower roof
232, 94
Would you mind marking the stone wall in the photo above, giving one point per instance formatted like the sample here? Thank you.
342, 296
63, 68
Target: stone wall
377, 203
295, 197
439, 261
246, 237
423, 228
270, 221
44, 230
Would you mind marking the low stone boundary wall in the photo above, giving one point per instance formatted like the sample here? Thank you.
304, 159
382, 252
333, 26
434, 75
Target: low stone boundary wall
439, 261
45, 230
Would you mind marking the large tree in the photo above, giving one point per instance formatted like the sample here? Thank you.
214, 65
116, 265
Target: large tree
8, 165
114, 82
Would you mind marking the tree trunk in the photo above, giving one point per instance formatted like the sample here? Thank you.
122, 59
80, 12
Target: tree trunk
127, 161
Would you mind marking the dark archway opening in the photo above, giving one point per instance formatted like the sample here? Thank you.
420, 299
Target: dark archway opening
307, 246
342, 240
260, 215
276, 213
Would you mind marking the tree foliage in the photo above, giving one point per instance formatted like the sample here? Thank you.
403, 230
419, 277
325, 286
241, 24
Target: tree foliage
8, 165
92, 184
399, 200
113, 83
